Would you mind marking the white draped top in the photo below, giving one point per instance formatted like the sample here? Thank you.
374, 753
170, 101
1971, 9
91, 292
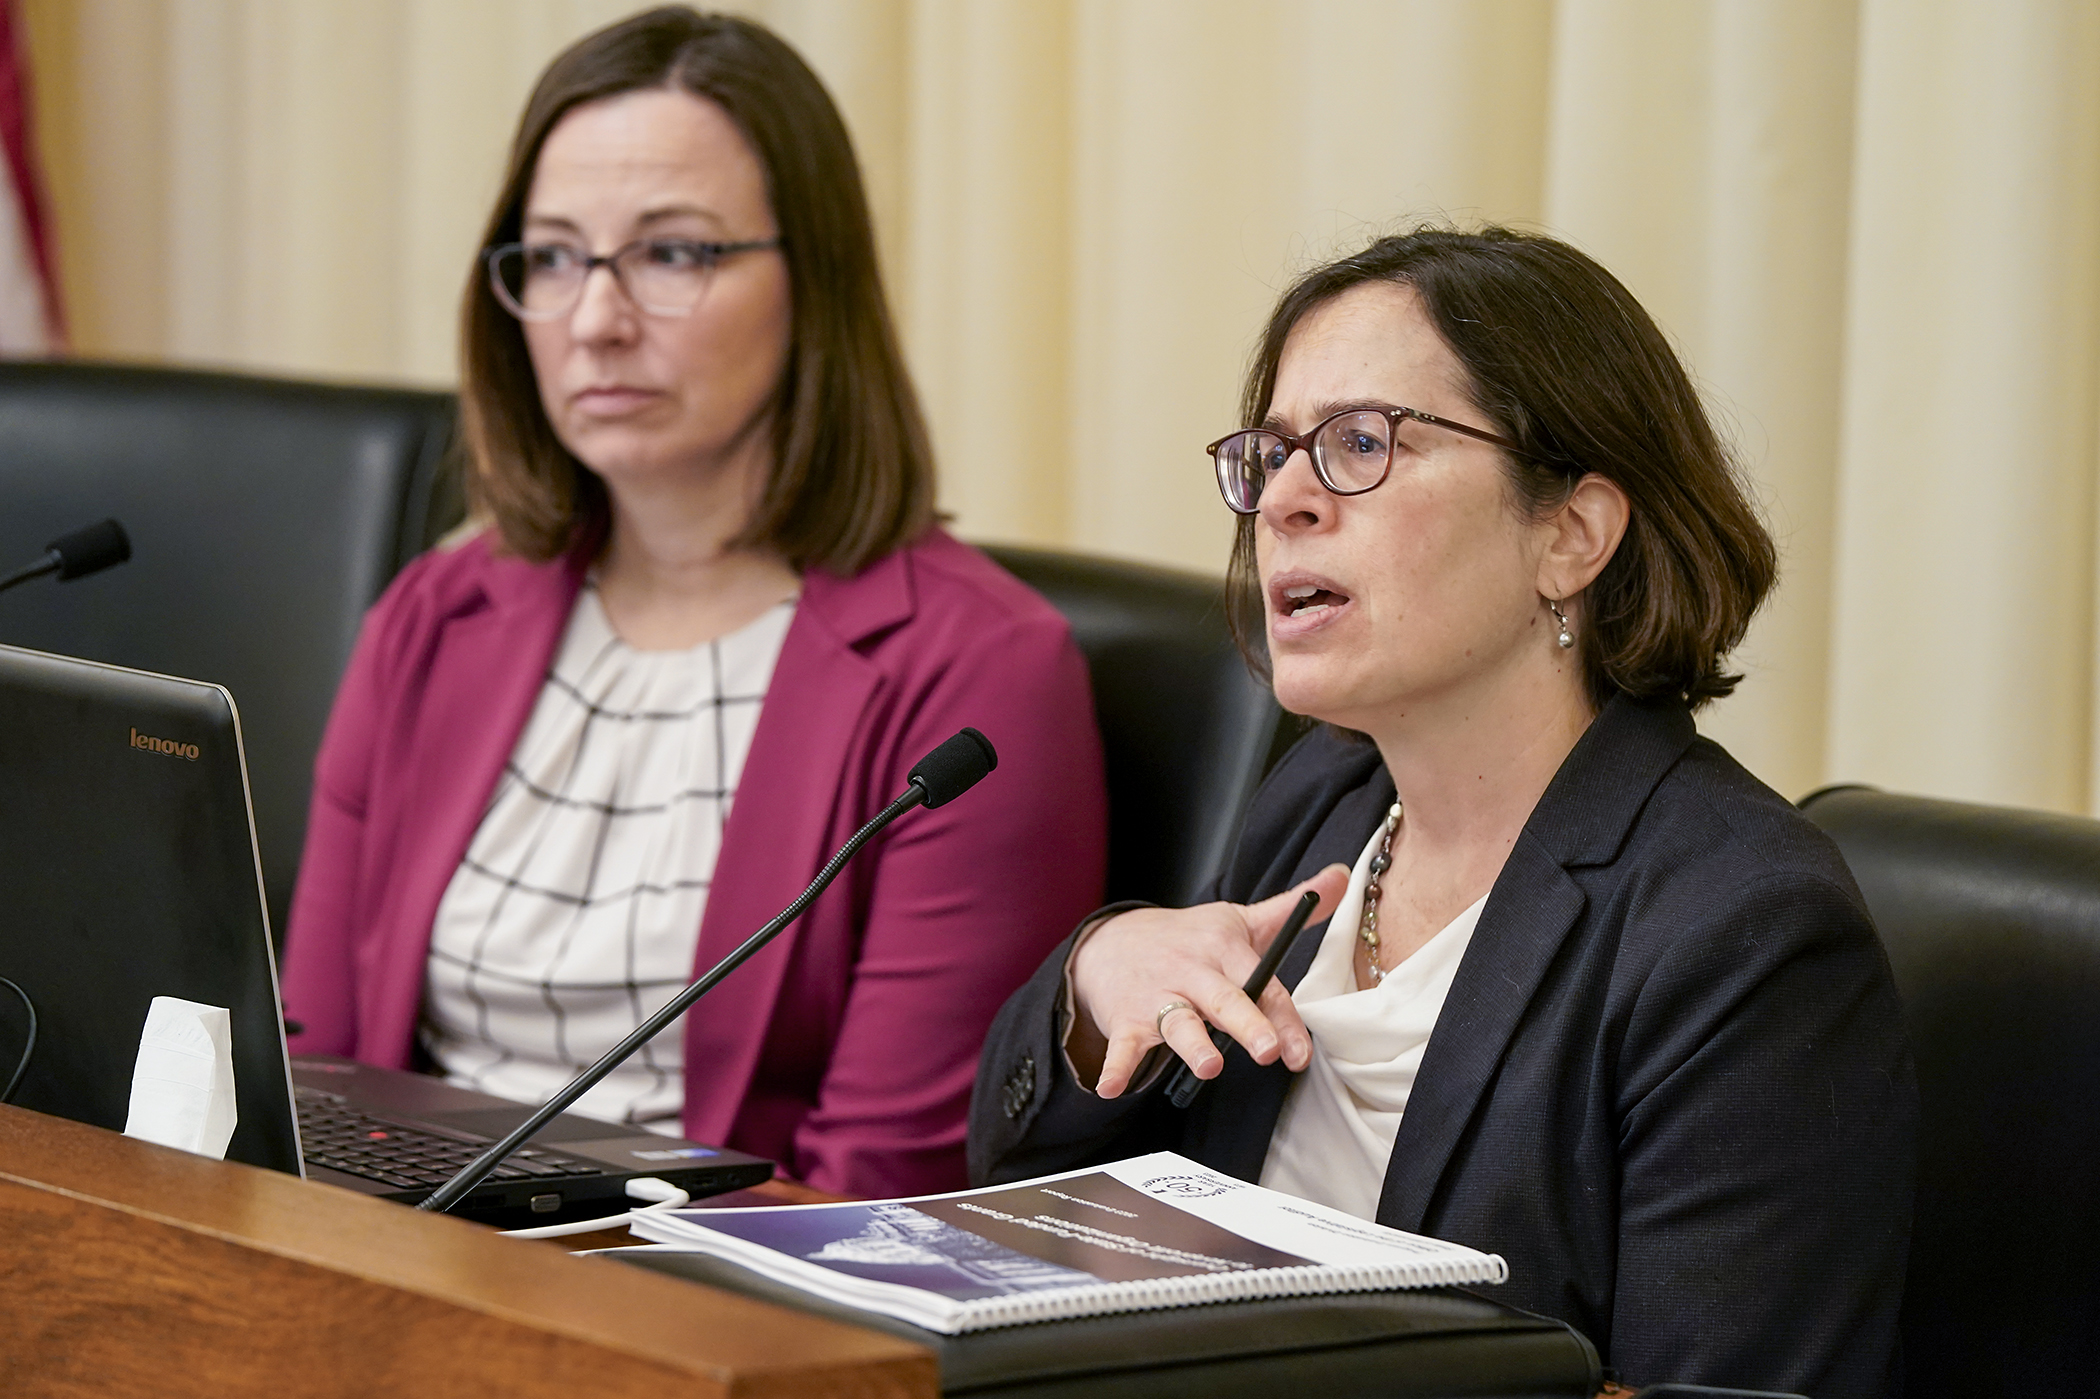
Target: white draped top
1335, 1136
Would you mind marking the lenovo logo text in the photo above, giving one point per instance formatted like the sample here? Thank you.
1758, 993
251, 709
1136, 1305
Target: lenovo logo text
163, 745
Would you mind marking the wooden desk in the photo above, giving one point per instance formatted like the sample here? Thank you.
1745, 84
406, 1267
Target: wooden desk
127, 1268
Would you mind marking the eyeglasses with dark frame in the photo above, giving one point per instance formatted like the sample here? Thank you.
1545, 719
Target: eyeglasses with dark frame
663, 276
1351, 452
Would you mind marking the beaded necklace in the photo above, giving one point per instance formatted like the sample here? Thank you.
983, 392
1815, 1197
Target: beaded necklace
1367, 929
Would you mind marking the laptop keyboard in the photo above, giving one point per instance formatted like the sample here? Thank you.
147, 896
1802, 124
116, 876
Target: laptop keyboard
409, 1157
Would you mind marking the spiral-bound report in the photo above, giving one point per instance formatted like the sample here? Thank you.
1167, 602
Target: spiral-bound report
1153, 1231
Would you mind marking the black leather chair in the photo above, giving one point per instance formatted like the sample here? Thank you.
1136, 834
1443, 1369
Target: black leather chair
1991, 917
265, 516
1186, 730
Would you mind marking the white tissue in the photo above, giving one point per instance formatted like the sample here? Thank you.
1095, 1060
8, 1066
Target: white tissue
182, 1088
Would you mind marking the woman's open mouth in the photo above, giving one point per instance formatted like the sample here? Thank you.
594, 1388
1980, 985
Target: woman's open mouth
1307, 598
1303, 603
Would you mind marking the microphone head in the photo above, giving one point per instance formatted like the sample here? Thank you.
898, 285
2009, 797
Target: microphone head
955, 767
90, 550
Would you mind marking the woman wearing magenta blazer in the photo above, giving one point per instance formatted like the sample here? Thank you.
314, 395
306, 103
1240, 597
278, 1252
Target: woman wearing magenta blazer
705, 627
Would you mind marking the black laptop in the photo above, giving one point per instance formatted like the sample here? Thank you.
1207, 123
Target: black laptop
128, 871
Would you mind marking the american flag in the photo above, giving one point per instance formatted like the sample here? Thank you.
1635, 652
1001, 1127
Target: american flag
30, 317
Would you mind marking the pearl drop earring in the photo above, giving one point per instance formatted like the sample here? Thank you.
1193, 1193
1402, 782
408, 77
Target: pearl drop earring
1566, 637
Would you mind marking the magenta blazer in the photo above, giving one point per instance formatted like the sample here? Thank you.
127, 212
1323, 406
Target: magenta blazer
846, 1048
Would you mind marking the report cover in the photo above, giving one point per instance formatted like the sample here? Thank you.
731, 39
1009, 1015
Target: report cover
1152, 1231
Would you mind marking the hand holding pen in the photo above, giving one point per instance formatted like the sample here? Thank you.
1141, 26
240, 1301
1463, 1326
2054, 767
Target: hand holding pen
1184, 1087
1132, 976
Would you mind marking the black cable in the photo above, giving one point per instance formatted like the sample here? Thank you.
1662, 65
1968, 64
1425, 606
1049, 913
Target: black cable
28, 1042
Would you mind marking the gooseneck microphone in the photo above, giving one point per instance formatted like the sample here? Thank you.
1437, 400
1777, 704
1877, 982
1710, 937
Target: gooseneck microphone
939, 778
76, 555
942, 775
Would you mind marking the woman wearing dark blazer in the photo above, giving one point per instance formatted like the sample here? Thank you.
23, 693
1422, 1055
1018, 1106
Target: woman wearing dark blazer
1592, 997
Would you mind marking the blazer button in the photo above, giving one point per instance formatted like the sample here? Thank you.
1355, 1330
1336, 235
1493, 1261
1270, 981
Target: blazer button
1020, 1087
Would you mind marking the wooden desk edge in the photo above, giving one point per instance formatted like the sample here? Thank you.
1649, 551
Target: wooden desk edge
81, 1188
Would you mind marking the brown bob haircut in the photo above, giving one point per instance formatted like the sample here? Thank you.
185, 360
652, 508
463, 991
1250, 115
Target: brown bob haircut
852, 472
1563, 361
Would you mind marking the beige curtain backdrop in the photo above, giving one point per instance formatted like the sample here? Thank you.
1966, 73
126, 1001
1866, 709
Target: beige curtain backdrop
1870, 226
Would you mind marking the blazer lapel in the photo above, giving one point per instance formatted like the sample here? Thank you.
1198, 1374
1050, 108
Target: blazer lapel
1230, 1125
486, 671
786, 817
1582, 819
1529, 914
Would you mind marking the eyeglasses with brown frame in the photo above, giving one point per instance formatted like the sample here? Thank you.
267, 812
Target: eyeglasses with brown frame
1351, 452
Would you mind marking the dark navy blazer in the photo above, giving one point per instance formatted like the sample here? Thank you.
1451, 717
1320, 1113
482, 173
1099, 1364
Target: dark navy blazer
1670, 1084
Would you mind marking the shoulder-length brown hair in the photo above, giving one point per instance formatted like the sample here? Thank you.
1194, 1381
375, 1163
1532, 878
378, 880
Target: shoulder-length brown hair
1564, 362
852, 474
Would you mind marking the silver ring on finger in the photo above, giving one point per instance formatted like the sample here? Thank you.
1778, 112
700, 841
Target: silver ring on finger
1159, 1021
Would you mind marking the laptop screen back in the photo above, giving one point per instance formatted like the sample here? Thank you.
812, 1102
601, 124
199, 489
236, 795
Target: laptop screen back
128, 871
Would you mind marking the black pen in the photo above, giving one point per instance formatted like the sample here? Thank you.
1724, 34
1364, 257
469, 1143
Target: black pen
1183, 1090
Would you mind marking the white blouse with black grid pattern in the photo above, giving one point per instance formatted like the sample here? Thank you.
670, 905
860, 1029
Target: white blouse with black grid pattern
576, 912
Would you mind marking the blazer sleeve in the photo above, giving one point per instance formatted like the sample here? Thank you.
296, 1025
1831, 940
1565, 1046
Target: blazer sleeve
1029, 1116
963, 902
1767, 1119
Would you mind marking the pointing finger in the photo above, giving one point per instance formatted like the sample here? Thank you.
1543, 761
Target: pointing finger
1266, 918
